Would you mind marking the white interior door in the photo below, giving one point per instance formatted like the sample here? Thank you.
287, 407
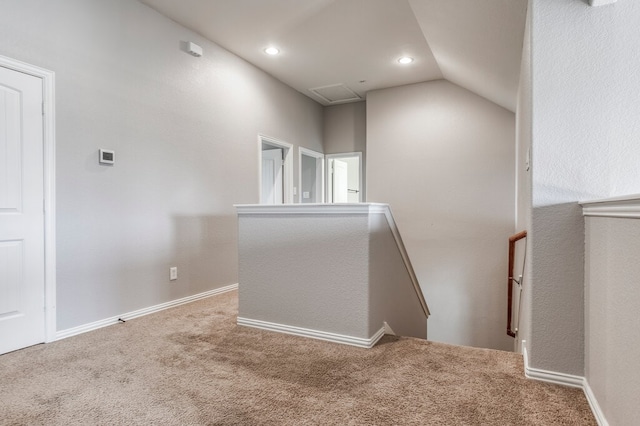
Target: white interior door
272, 177
22, 316
340, 182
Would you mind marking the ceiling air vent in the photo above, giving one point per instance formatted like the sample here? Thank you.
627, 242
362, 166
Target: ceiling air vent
335, 94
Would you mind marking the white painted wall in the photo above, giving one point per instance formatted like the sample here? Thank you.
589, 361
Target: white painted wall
612, 346
586, 125
443, 158
185, 134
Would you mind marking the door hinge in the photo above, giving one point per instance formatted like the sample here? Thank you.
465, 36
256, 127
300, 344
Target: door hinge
43, 108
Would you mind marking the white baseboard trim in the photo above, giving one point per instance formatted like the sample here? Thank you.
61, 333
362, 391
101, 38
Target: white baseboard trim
593, 403
566, 380
554, 377
314, 334
63, 334
550, 376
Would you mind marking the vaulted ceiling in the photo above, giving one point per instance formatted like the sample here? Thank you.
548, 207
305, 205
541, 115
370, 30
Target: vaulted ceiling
333, 44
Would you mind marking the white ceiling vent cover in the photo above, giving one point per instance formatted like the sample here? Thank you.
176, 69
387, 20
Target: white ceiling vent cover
335, 94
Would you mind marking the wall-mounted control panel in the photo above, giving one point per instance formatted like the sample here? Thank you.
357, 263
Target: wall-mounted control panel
107, 157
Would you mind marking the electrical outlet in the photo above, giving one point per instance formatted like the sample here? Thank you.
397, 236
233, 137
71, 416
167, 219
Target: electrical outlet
173, 273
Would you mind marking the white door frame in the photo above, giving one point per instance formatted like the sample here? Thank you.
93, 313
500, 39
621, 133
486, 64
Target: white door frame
287, 177
49, 140
329, 157
319, 185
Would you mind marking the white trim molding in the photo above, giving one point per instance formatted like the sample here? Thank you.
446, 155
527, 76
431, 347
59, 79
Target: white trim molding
565, 380
287, 178
554, 377
595, 3
327, 173
311, 208
63, 334
593, 403
620, 207
314, 334
49, 141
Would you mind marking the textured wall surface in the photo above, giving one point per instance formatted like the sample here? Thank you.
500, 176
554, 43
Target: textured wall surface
306, 271
585, 145
557, 289
185, 134
443, 158
333, 271
612, 345
585, 103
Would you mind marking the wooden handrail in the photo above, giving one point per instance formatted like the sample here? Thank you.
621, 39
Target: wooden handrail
512, 251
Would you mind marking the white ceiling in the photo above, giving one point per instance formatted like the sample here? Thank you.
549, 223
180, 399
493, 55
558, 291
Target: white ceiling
475, 44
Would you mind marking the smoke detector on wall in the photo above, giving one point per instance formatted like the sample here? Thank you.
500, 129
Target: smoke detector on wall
335, 94
194, 49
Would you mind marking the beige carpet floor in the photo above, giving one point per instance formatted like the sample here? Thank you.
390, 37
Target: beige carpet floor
192, 365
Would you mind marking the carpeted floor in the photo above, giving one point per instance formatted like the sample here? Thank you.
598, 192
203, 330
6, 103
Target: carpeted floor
192, 365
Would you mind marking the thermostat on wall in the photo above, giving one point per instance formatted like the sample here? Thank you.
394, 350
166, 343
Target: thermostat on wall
107, 157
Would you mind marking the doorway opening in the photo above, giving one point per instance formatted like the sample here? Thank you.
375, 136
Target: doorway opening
275, 171
311, 176
344, 178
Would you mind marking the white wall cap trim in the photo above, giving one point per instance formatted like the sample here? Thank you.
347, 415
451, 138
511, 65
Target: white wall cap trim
314, 334
565, 380
318, 208
601, 2
63, 334
627, 206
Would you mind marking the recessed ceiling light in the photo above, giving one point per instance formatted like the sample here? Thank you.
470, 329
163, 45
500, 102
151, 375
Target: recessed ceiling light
271, 50
405, 60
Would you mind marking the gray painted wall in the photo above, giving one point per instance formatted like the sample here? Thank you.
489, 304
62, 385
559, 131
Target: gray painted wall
392, 298
443, 158
612, 346
334, 272
585, 130
185, 134
309, 175
345, 128
306, 271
